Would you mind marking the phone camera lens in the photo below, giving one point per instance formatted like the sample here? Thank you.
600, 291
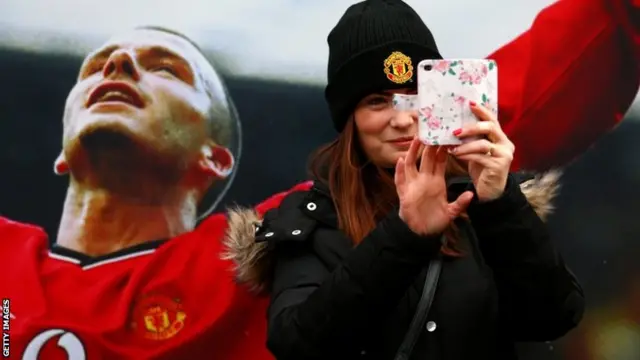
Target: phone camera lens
428, 67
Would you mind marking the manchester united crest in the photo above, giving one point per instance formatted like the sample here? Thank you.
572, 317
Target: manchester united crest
398, 67
158, 317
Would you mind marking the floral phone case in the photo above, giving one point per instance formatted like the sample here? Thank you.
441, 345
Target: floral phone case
445, 88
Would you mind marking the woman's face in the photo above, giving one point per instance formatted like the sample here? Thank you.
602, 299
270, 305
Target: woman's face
384, 132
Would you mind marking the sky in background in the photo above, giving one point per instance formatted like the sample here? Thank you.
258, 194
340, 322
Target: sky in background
270, 38
275, 39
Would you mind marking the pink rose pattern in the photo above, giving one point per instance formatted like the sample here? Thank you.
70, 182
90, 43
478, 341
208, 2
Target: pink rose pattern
460, 100
471, 75
442, 66
435, 120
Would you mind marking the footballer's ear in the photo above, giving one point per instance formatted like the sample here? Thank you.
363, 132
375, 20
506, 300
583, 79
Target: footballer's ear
60, 166
216, 160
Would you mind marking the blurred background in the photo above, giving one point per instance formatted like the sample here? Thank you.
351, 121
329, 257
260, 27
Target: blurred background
273, 57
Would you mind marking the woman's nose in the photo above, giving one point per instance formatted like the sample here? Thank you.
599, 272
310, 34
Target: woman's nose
405, 118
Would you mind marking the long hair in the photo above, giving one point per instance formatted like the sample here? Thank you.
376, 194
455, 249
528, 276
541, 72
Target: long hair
364, 193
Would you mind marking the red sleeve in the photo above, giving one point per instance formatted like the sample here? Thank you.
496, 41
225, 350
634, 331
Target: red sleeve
274, 201
215, 222
569, 79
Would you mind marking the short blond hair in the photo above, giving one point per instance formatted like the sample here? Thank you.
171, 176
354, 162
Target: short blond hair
222, 117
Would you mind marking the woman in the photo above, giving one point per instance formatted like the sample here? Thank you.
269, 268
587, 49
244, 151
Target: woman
398, 251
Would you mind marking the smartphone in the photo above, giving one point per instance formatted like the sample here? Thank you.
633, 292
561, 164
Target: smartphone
445, 88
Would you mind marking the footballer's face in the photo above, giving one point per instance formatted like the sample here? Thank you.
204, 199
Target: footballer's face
143, 90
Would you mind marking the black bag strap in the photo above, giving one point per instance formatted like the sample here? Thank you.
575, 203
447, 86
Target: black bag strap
420, 316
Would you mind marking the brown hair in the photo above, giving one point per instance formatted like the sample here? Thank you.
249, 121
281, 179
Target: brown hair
363, 193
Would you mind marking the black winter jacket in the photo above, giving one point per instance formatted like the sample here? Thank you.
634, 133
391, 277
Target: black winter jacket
331, 300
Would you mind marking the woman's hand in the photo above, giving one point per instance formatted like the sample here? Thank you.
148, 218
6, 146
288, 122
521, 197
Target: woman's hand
489, 158
423, 192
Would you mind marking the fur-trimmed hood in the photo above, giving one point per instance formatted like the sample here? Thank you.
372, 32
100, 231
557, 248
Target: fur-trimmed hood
252, 264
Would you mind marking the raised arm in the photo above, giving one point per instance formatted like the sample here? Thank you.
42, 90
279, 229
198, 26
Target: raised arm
569, 79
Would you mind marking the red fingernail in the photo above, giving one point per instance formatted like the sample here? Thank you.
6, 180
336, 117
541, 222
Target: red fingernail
457, 132
472, 103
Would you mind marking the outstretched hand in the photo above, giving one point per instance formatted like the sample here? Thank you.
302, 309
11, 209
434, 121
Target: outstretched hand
423, 191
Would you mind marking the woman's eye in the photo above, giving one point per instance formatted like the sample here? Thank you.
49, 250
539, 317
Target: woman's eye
378, 100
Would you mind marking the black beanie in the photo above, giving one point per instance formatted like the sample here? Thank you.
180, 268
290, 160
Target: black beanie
375, 46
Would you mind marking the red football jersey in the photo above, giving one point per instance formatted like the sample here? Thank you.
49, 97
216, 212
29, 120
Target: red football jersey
171, 299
